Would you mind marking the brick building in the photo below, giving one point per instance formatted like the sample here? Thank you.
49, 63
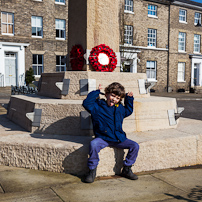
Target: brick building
159, 37
163, 39
33, 33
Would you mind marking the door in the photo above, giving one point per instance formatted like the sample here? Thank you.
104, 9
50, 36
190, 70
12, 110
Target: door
10, 69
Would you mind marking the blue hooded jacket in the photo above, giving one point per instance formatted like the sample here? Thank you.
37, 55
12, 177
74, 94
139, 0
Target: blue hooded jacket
107, 121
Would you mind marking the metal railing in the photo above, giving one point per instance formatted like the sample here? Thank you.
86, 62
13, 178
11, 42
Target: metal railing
1, 80
21, 80
23, 90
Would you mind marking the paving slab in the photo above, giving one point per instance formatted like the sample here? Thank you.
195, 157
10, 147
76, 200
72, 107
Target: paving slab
188, 180
22, 180
146, 189
45, 195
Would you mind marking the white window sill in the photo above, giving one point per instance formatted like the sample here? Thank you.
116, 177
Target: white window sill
181, 81
129, 12
183, 22
7, 34
151, 80
38, 0
197, 53
153, 16
60, 3
181, 51
62, 39
39, 37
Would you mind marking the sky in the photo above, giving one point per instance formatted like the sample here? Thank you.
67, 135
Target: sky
200, 1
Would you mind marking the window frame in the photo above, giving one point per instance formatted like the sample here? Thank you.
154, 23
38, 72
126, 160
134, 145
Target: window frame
181, 71
41, 18
64, 30
197, 18
7, 24
129, 8
60, 3
38, 65
197, 43
152, 10
151, 40
128, 34
150, 69
183, 16
182, 42
60, 65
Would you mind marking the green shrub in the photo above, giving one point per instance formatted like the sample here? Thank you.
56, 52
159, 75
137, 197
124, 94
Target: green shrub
29, 76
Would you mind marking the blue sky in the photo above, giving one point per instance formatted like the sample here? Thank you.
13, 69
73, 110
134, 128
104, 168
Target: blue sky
200, 1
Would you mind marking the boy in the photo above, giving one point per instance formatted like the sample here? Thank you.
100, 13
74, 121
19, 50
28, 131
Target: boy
107, 118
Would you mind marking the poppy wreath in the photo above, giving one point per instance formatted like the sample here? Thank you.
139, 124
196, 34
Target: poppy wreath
100, 52
76, 57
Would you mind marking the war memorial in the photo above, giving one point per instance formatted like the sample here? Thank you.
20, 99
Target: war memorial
60, 127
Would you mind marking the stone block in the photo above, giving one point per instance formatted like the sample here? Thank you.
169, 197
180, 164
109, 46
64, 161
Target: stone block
49, 89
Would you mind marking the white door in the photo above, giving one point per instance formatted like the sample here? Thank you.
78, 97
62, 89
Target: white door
10, 69
197, 74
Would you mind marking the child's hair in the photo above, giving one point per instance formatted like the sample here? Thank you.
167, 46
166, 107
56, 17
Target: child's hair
116, 88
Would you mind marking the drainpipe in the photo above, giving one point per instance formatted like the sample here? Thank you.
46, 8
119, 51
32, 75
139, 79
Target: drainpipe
168, 45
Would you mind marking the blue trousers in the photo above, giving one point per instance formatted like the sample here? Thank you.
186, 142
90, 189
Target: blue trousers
97, 144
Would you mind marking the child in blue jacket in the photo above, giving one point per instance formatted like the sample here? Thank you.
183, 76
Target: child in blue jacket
107, 118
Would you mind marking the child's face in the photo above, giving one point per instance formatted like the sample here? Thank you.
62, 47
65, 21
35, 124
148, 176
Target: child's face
112, 99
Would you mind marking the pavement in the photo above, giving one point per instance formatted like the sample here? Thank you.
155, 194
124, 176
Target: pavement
169, 185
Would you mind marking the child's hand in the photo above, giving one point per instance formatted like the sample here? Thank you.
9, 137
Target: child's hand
99, 87
130, 94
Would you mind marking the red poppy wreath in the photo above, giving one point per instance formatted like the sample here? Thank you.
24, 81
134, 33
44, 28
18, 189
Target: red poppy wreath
102, 58
76, 57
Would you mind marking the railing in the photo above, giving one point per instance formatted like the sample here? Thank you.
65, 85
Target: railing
1, 80
23, 90
21, 80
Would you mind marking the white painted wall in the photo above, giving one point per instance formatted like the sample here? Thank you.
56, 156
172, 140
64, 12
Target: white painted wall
19, 49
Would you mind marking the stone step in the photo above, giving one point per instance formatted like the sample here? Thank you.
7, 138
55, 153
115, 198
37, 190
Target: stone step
63, 117
5, 91
159, 149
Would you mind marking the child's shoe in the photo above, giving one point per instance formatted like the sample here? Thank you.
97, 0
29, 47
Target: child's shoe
91, 176
127, 172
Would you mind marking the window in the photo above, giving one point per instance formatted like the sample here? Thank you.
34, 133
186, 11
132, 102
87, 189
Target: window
128, 34
60, 63
152, 10
151, 70
60, 1
197, 43
151, 37
7, 23
182, 15
60, 28
181, 41
37, 64
181, 72
197, 18
37, 26
129, 5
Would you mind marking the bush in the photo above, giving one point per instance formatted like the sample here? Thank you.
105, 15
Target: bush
29, 76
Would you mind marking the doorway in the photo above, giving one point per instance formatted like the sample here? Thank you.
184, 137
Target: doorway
10, 69
196, 74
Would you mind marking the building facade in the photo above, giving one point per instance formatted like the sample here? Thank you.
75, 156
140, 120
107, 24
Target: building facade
161, 38
33, 34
